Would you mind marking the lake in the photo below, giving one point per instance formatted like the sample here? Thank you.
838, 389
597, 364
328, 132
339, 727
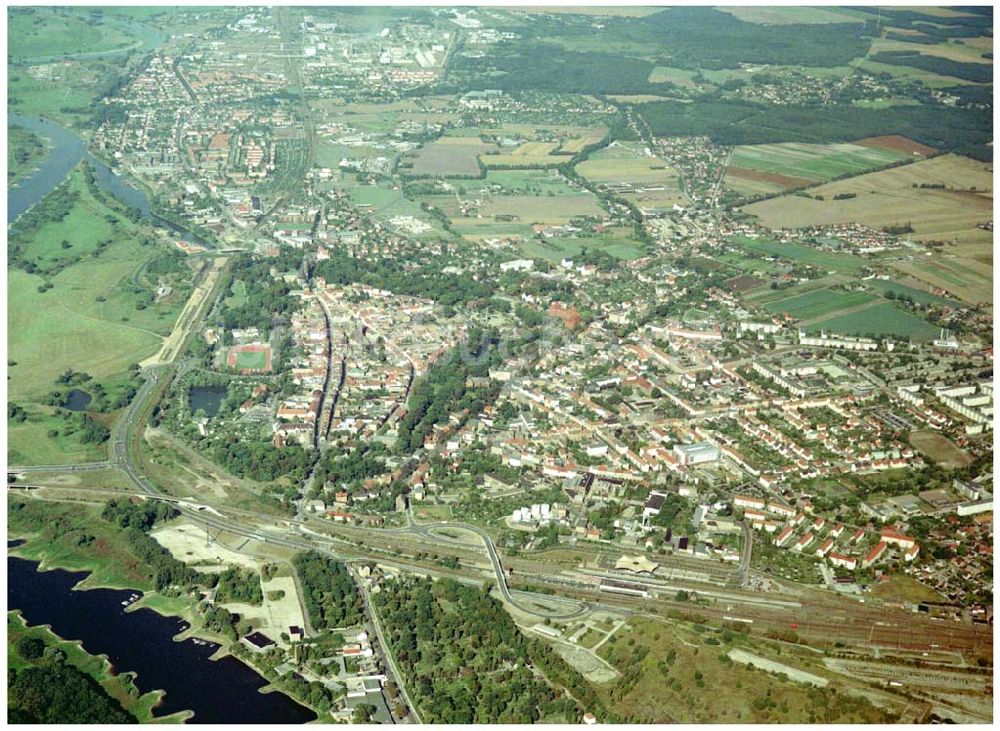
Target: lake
77, 400
207, 398
222, 691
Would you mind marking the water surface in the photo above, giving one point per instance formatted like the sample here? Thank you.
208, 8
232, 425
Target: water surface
223, 691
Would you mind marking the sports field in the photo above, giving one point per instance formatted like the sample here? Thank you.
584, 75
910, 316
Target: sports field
251, 357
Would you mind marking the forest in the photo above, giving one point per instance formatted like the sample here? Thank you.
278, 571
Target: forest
467, 662
137, 519
423, 281
331, 596
237, 584
964, 131
55, 692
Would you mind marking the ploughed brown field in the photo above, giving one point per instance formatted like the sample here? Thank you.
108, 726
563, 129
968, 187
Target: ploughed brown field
898, 143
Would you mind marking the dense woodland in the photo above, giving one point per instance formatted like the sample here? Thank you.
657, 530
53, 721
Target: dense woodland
53, 691
267, 298
727, 122
331, 596
401, 277
467, 662
240, 585
136, 520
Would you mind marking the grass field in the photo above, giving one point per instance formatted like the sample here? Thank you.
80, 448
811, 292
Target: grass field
108, 557
616, 244
888, 197
540, 209
819, 303
29, 442
450, 156
828, 260
34, 32
880, 319
25, 150
700, 684
800, 161
907, 589
91, 319
939, 448
538, 182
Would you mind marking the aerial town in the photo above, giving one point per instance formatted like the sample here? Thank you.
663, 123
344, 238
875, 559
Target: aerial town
481, 365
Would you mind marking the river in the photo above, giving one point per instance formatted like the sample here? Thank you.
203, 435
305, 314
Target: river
141, 641
65, 151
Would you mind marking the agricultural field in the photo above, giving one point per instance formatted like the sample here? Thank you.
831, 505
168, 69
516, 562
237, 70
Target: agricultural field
530, 154
794, 16
948, 50
820, 303
879, 319
451, 156
968, 279
648, 182
894, 197
771, 168
829, 260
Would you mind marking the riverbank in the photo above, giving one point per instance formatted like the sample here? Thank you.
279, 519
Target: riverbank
120, 686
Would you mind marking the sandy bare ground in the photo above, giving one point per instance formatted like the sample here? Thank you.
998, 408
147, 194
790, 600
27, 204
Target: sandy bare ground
590, 666
168, 351
187, 543
770, 665
273, 617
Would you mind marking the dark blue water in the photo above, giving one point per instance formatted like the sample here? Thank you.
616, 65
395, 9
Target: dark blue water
207, 398
77, 400
66, 151
223, 691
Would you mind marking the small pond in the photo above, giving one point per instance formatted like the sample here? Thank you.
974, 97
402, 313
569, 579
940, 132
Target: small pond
207, 398
77, 400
